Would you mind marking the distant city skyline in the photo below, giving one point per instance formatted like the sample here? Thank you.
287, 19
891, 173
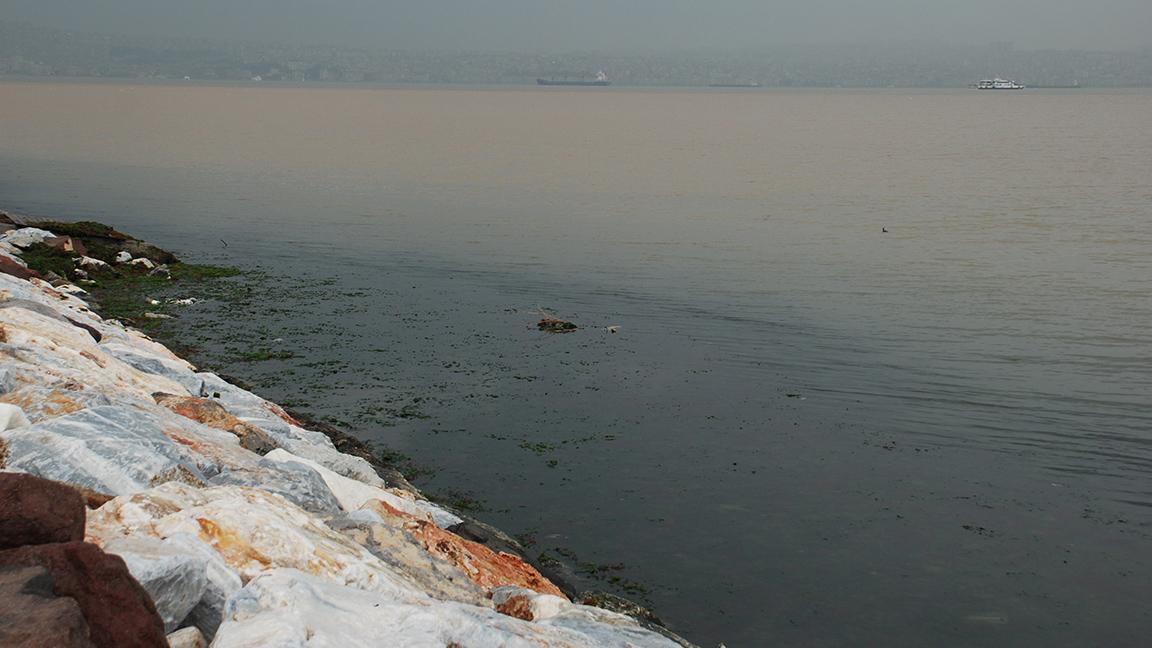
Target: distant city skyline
601, 25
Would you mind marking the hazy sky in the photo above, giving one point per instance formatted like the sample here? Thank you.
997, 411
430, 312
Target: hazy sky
611, 25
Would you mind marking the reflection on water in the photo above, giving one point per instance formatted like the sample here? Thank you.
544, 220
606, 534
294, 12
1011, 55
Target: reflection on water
808, 430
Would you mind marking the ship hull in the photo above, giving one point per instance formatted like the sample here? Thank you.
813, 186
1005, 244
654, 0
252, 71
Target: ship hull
551, 82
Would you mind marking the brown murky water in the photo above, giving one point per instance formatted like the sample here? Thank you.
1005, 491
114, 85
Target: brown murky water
808, 431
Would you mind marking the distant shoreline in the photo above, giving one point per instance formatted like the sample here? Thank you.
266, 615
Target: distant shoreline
420, 85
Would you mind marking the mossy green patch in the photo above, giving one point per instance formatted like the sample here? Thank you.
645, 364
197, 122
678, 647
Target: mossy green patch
44, 259
264, 354
82, 229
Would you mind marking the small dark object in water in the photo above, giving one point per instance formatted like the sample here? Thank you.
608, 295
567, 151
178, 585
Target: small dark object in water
554, 325
884, 230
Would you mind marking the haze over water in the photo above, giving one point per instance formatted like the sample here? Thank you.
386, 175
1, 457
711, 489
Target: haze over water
809, 431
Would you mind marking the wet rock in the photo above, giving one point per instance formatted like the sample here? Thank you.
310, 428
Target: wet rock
119, 612
211, 413
487, 535
642, 615
603, 626
405, 554
290, 609
148, 251
350, 445
284, 431
175, 580
32, 615
187, 638
38, 511
483, 566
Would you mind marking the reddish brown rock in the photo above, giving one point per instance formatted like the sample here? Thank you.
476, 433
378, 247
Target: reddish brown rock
67, 244
118, 610
38, 511
211, 413
483, 566
516, 606
32, 616
10, 267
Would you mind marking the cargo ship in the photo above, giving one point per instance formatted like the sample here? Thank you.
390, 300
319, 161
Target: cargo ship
998, 84
600, 80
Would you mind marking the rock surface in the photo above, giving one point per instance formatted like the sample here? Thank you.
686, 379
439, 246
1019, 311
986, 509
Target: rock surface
289, 609
486, 568
187, 638
245, 527
175, 580
38, 511
32, 615
119, 612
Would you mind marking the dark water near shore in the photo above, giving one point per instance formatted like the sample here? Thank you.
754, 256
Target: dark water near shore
807, 432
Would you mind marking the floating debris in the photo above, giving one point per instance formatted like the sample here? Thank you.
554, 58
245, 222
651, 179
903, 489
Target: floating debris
552, 324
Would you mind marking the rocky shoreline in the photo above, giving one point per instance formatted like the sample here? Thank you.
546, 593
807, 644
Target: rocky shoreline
241, 524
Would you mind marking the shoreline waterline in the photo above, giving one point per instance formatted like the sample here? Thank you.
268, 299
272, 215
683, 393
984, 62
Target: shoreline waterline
142, 290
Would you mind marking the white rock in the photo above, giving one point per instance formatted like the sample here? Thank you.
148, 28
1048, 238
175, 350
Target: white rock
92, 263
222, 582
43, 292
395, 546
71, 289
553, 611
148, 361
26, 236
353, 494
106, 449
252, 530
269, 417
187, 638
175, 580
124, 448
296, 482
123, 256
289, 609
12, 417
145, 263
51, 353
